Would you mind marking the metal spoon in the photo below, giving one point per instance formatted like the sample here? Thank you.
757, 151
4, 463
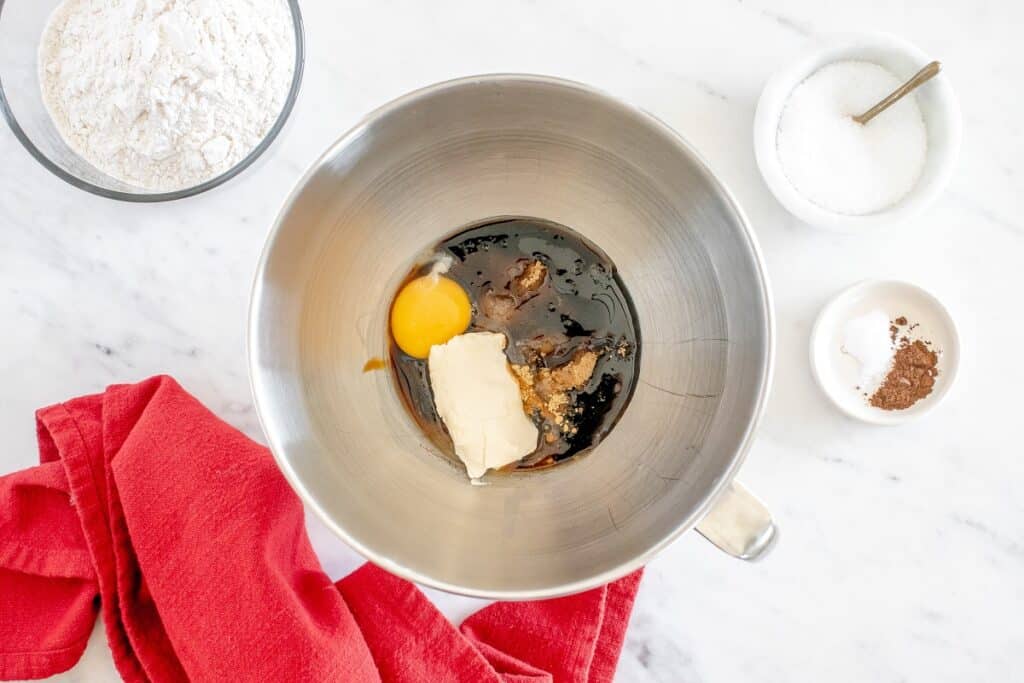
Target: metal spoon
925, 74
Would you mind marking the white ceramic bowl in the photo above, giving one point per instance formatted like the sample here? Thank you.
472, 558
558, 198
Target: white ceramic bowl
938, 106
838, 373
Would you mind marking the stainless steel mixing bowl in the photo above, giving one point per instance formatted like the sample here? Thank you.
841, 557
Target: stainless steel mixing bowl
456, 153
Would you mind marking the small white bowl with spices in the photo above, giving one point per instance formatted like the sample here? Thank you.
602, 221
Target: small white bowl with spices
885, 351
834, 173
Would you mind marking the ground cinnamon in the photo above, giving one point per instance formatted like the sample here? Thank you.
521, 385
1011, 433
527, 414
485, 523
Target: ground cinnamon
911, 378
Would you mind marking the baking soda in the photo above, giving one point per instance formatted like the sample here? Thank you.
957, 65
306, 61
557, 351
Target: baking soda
839, 164
869, 340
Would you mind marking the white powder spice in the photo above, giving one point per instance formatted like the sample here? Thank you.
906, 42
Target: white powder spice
868, 339
166, 94
839, 164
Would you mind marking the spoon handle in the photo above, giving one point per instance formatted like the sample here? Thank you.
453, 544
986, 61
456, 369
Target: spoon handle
925, 74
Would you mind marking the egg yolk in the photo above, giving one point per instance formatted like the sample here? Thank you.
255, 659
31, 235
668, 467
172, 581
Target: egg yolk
427, 311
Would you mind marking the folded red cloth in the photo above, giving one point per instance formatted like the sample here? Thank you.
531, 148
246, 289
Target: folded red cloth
186, 537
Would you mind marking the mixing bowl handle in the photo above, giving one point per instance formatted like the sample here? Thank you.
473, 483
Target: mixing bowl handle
740, 524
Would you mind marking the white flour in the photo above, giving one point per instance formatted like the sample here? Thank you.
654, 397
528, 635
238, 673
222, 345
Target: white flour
165, 94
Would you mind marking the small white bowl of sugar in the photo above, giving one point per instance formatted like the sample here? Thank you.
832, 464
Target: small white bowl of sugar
832, 172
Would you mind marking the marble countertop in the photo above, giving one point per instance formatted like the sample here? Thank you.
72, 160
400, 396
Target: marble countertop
902, 549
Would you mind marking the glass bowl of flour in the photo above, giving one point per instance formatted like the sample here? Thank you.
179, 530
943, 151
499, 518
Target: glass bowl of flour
148, 101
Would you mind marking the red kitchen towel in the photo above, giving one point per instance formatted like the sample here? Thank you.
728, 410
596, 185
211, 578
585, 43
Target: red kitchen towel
184, 535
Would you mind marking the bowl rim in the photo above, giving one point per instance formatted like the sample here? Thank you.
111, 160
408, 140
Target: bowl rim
153, 197
773, 100
891, 418
686, 524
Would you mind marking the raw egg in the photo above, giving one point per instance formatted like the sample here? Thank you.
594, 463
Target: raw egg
429, 310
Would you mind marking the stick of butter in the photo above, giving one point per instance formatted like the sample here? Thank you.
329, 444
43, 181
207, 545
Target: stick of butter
478, 399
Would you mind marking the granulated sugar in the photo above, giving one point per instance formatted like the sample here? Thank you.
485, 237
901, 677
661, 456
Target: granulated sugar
839, 164
165, 95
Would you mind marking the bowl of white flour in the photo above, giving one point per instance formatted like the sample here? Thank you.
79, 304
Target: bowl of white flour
148, 101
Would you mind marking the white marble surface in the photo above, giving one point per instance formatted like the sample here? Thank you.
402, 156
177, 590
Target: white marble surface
902, 555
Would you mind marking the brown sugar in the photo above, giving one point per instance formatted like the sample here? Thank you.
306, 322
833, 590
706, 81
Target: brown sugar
547, 390
911, 378
573, 375
497, 307
541, 346
527, 278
